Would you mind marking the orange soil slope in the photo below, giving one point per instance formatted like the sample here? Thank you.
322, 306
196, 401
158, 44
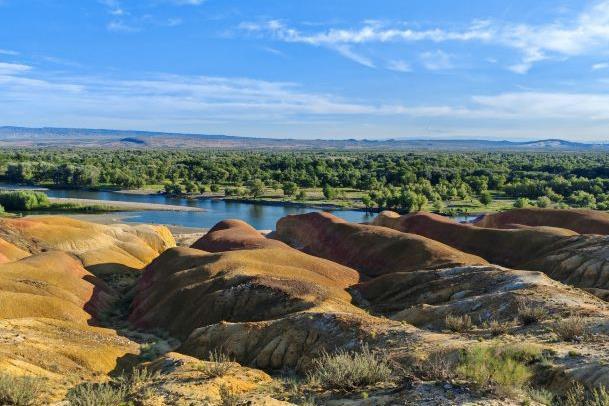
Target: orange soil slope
47, 303
371, 250
186, 288
579, 220
230, 235
101, 248
263, 302
579, 260
485, 293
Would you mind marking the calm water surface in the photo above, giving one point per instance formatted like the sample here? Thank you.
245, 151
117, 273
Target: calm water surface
259, 215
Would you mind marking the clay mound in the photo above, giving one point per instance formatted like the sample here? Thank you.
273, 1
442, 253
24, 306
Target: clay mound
186, 288
229, 235
10, 252
52, 285
371, 250
579, 220
178, 372
500, 246
101, 248
485, 293
56, 349
295, 340
578, 260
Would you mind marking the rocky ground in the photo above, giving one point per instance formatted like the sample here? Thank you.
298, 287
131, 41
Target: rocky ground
412, 309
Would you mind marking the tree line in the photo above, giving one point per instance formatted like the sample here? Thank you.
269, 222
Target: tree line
401, 181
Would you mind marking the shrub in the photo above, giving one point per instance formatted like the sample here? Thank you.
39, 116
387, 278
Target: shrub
497, 328
529, 312
504, 370
228, 397
348, 370
218, 365
459, 324
572, 329
119, 391
543, 202
439, 365
24, 200
102, 394
575, 396
19, 390
541, 396
521, 202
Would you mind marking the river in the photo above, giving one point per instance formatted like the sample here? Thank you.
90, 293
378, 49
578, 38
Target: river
262, 216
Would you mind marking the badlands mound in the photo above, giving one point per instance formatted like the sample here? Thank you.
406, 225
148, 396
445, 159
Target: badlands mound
262, 302
371, 250
51, 304
579, 260
230, 235
48, 303
103, 249
581, 221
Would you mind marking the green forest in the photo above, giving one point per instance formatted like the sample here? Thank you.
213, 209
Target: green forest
379, 180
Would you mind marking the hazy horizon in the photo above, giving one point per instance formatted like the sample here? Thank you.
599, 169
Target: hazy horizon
328, 70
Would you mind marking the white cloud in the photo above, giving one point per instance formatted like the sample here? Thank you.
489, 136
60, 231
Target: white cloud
600, 66
121, 26
188, 2
399, 66
586, 34
348, 53
8, 52
34, 97
13, 68
437, 60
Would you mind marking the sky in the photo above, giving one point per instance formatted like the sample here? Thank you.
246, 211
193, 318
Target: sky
334, 69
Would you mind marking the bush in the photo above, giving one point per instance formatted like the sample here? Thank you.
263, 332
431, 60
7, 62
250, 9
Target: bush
92, 394
497, 328
521, 202
218, 365
543, 202
19, 390
347, 370
460, 324
530, 313
119, 391
572, 329
24, 200
501, 368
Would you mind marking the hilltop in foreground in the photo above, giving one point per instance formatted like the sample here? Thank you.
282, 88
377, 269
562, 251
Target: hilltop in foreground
413, 309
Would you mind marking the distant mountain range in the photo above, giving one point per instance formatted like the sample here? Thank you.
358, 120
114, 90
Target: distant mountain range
83, 137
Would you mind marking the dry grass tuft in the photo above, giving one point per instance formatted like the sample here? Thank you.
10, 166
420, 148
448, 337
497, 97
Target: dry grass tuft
219, 364
530, 313
347, 370
125, 389
574, 328
459, 324
19, 390
502, 368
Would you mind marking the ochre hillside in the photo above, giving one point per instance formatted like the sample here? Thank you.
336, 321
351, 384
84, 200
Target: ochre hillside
371, 250
581, 221
222, 321
580, 260
230, 235
101, 248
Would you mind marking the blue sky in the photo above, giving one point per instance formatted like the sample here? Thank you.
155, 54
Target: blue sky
310, 69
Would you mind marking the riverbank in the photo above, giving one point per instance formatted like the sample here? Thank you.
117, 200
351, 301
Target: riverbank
119, 205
